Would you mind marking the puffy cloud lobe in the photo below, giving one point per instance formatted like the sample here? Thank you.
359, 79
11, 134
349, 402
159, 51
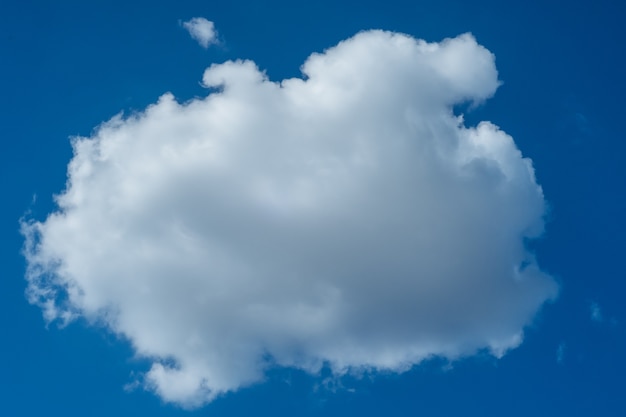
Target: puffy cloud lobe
348, 218
202, 30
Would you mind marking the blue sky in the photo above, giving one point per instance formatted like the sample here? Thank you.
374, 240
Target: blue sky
69, 67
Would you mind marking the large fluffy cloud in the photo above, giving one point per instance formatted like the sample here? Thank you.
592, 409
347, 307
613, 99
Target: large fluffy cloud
347, 218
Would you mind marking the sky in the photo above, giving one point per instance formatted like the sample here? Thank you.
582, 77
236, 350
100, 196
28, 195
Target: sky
271, 208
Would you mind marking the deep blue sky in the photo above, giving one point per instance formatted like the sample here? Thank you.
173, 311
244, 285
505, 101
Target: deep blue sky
68, 65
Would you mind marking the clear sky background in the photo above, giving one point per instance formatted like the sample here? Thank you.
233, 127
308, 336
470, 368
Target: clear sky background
67, 66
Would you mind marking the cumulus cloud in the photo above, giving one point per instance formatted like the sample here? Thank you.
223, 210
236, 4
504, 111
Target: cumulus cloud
202, 30
346, 219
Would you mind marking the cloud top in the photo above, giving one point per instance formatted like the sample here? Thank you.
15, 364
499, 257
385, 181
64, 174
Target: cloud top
202, 30
345, 218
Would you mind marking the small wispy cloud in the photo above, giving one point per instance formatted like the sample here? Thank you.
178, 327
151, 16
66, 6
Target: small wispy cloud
202, 30
560, 353
596, 313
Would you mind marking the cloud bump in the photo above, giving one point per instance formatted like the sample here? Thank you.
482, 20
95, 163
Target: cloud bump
347, 218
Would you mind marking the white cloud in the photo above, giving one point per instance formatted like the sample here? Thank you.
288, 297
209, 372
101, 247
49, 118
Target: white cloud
347, 218
202, 30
